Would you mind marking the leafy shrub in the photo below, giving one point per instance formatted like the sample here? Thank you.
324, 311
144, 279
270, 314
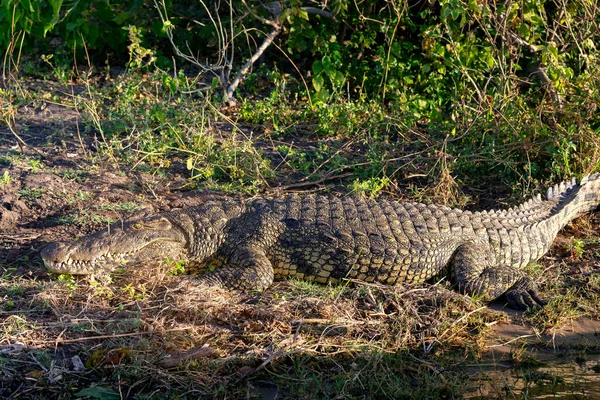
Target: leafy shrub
503, 88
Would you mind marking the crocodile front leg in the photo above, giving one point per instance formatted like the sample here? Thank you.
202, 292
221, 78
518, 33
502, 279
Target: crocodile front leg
247, 268
477, 273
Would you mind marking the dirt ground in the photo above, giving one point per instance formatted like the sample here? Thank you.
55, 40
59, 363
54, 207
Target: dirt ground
60, 337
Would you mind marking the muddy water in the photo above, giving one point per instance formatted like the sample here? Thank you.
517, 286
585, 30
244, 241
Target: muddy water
554, 379
521, 364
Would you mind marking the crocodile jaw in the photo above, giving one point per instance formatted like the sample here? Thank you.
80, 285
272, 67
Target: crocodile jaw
67, 265
152, 240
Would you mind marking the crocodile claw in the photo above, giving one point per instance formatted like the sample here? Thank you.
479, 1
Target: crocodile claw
524, 295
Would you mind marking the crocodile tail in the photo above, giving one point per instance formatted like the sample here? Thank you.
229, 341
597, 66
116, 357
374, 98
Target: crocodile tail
561, 190
589, 193
576, 199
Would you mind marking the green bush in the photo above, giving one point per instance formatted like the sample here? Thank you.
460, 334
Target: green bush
505, 88
99, 29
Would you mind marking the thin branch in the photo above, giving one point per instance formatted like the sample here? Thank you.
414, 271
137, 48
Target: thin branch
317, 182
214, 68
83, 339
12, 125
194, 354
549, 85
512, 340
310, 102
261, 19
318, 11
266, 43
539, 70
522, 42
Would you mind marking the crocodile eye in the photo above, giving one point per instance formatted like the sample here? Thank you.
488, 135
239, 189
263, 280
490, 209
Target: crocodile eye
137, 225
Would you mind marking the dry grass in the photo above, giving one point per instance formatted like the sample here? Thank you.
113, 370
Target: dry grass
150, 335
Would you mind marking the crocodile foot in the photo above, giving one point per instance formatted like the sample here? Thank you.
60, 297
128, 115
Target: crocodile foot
523, 295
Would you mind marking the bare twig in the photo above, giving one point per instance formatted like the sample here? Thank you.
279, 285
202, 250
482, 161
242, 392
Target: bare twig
275, 10
588, 273
522, 42
221, 69
510, 341
548, 84
317, 182
336, 321
12, 124
216, 68
196, 353
273, 356
83, 339
266, 43
318, 11
538, 70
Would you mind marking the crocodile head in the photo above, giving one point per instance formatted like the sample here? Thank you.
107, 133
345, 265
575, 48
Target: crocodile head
149, 240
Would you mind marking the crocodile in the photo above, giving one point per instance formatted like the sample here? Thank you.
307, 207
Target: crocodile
246, 245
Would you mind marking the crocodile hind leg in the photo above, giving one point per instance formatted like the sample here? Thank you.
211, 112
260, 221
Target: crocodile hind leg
247, 268
478, 273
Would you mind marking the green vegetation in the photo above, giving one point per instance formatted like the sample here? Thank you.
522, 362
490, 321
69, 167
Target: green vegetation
450, 88
128, 206
6, 178
175, 267
31, 194
84, 218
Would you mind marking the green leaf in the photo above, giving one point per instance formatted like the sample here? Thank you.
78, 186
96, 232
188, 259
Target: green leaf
524, 31
71, 26
286, 14
322, 95
552, 50
92, 34
588, 44
338, 79
318, 82
170, 82
446, 11
302, 14
121, 18
56, 5
535, 19
396, 50
26, 4
328, 66
317, 67
167, 25
215, 82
